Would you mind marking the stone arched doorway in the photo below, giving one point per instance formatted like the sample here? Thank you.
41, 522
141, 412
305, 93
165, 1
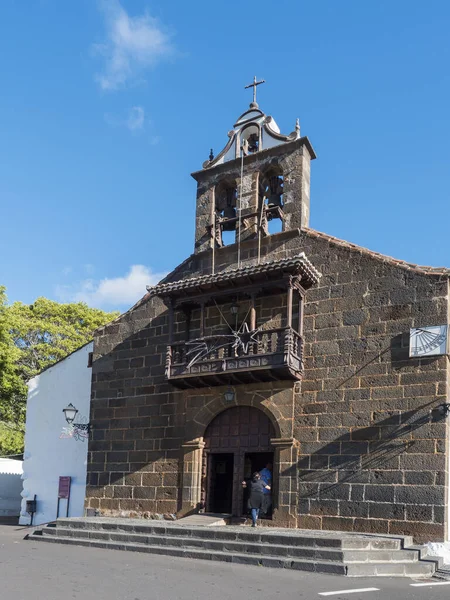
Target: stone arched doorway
237, 442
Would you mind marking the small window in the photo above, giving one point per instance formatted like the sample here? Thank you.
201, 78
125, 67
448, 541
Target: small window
90, 359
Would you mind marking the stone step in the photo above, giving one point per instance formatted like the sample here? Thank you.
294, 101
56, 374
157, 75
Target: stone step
241, 547
205, 520
264, 535
356, 555
418, 569
237, 558
443, 572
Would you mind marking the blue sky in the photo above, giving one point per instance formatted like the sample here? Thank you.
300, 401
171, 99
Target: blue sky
106, 108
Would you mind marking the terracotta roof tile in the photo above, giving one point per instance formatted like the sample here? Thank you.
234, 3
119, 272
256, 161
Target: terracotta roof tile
299, 264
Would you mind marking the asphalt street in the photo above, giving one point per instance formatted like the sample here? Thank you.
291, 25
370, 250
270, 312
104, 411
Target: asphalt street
35, 571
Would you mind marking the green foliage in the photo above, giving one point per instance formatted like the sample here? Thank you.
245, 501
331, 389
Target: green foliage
11, 440
32, 338
12, 386
46, 331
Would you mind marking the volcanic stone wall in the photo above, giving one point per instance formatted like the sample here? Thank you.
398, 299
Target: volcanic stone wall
370, 444
372, 440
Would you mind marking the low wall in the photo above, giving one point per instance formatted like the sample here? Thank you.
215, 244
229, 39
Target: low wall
10, 487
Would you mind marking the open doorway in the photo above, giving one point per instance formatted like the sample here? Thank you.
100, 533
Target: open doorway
220, 479
237, 435
257, 461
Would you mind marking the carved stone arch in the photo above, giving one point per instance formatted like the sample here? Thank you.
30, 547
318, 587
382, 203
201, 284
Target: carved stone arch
276, 405
196, 427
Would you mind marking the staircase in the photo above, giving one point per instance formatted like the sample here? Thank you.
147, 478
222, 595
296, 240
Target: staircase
354, 555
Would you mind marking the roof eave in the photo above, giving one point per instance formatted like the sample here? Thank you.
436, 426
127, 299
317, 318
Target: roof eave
299, 265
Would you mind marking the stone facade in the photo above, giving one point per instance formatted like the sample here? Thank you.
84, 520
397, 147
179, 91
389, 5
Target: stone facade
360, 443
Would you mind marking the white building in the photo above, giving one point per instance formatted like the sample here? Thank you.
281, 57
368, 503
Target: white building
53, 448
10, 487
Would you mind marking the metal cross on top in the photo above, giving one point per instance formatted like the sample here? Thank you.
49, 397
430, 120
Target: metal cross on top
253, 85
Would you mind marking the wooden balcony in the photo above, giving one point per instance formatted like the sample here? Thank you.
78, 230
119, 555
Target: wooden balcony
276, 354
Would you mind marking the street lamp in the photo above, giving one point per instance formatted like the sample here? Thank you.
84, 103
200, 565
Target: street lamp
234, 308
70, 412
229, 395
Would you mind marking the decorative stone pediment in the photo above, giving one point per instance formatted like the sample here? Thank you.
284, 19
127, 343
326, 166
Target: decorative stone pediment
253, 131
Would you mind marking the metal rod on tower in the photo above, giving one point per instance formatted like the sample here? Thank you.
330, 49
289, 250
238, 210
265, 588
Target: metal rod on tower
259, 224
240, 206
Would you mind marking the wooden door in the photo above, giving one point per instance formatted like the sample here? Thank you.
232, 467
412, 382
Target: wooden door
239, 430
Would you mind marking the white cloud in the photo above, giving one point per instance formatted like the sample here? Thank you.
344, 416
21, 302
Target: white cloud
135, 122
136, 118
117, 292
133, 44
66, 271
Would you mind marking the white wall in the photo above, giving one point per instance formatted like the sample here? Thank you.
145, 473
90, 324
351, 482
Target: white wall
10, 487
49, 453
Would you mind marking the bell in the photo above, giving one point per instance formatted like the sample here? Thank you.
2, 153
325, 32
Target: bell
227, 226
275, 200
229, 212
230, 194
253, 143
276, 185
276, 191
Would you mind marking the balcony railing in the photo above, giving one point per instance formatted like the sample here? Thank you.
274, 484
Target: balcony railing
276, 354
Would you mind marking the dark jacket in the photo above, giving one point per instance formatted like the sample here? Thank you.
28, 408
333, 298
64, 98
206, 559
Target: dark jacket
256, 497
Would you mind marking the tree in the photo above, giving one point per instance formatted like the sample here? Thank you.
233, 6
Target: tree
11, 385
47, 331
11, 439
32, 338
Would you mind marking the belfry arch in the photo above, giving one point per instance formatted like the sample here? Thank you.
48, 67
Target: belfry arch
271, 199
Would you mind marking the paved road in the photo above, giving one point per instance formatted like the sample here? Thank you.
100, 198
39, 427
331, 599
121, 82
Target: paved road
35, 571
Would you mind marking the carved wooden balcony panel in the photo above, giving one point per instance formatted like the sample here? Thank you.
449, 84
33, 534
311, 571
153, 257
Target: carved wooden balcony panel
268, 355
221, 325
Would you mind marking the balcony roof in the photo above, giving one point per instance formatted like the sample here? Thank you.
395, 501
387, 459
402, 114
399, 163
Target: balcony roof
266, 273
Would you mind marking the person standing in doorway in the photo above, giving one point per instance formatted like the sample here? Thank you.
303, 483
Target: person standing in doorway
266, 477
256, 499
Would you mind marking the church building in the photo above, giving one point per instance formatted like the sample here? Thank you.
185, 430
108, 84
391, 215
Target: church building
275, 343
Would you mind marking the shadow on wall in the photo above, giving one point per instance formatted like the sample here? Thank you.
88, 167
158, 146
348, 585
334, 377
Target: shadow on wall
390, 469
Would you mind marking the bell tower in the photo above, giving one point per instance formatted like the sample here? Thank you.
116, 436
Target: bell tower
260, 178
